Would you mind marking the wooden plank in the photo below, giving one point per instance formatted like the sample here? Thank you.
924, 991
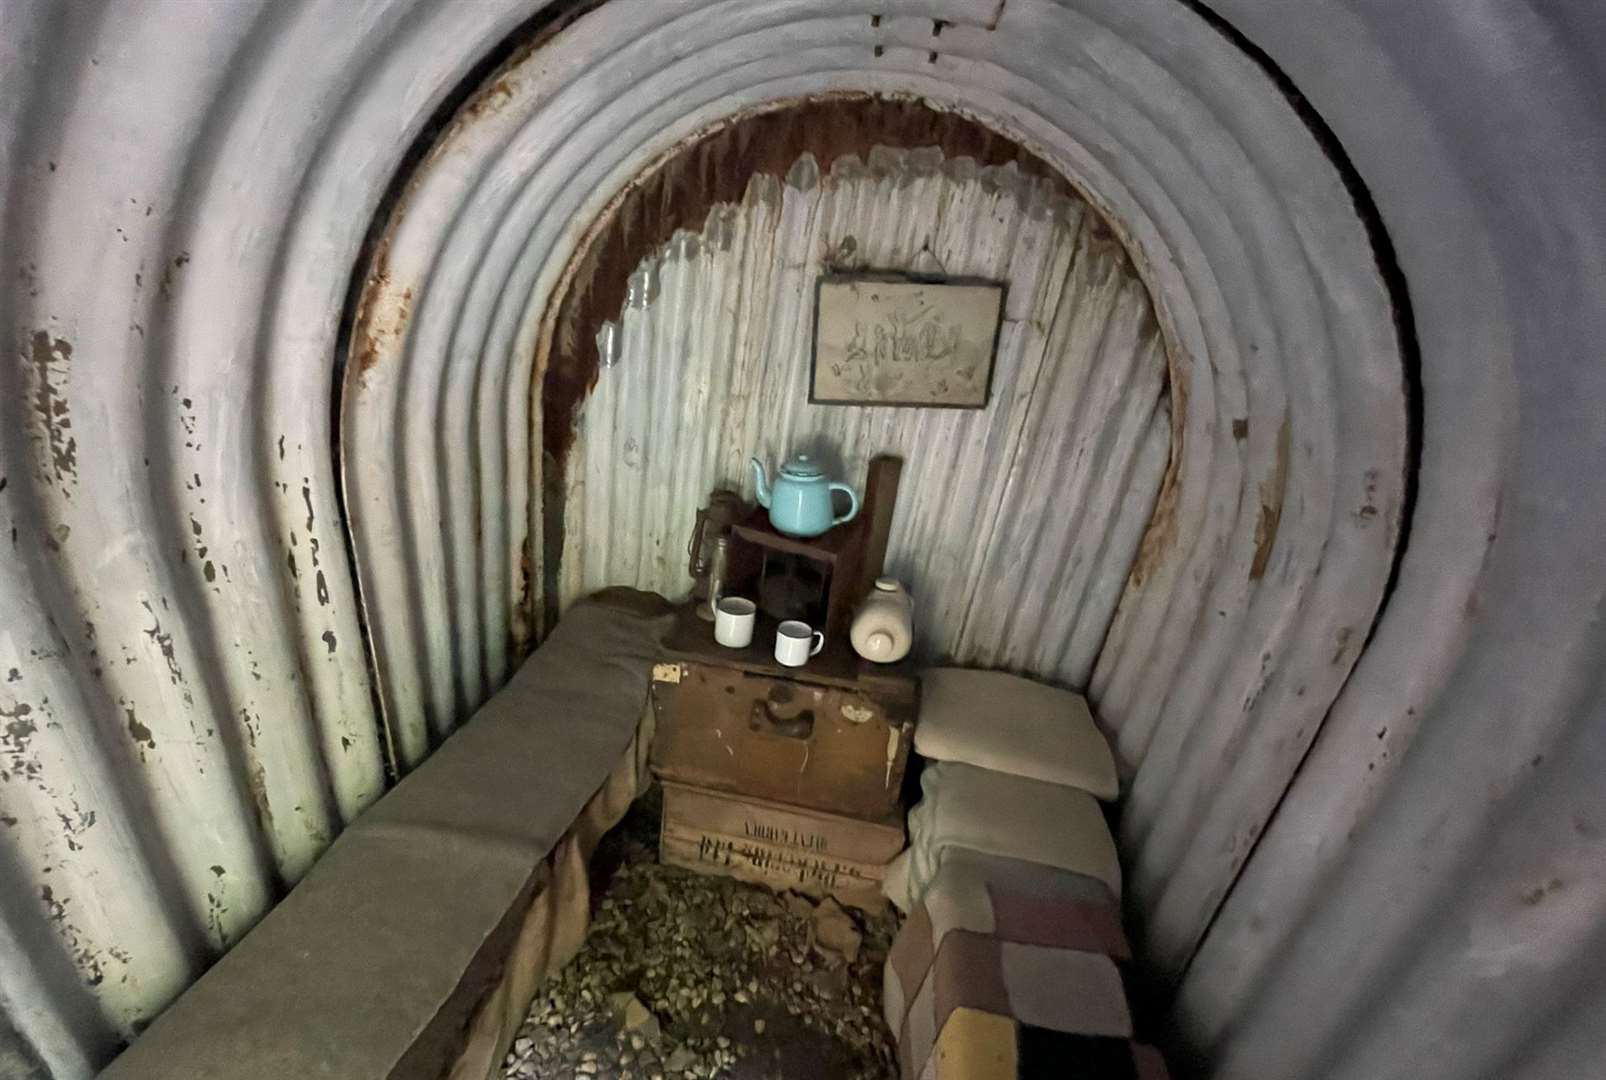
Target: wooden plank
782, 847
880, 503
875, 842
843, 595
826, 548
692, 639
778, 868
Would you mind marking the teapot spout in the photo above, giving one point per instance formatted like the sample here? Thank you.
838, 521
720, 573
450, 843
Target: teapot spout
762, 484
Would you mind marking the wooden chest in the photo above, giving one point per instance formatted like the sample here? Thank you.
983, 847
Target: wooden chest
824, 737
783, 847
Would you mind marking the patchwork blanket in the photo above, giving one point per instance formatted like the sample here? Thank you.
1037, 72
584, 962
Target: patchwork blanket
976, 1045
1014, 902
1011, 940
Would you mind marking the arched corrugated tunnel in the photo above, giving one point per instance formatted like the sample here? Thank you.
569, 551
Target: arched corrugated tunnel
190, 711
1267, 554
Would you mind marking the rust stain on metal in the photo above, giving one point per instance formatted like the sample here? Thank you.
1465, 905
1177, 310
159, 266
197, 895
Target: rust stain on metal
1161, 534
375, 325
369, 331
501, 86
713, 167
1271, 505
366, 347
489, 100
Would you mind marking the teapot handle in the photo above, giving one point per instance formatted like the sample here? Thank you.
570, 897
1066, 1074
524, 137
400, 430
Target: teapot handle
853, 504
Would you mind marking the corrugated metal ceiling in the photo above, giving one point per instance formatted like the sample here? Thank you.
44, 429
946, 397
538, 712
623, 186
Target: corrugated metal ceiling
187, 188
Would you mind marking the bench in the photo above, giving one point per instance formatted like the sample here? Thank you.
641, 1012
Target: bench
413, 947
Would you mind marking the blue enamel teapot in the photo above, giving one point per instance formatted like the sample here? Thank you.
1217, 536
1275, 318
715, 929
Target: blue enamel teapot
800, 500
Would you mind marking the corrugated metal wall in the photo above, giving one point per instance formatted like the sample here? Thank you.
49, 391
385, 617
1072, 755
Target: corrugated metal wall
186, 715
1430, 899
1017, 523
187, 187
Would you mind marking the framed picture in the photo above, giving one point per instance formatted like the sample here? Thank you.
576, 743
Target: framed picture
893, 339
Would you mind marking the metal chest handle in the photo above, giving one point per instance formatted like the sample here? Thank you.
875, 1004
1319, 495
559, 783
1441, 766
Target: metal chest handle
763, 719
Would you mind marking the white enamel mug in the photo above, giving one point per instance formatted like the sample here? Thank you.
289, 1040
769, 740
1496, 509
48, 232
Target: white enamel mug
733, 622
795, 642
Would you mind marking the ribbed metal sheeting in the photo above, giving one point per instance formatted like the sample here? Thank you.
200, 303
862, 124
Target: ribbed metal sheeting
1427, 900
1430, 900
1016, 523
186, 715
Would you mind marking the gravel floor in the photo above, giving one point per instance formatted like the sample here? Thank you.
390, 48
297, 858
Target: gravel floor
686, 976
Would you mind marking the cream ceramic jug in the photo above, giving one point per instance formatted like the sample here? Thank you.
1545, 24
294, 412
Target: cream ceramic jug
883, 628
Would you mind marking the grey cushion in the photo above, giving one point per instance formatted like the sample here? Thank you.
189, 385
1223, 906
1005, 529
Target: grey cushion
1013, 725
374, 962
963, 807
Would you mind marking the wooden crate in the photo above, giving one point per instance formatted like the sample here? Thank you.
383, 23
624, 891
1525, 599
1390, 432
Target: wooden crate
783, 847
785, 740
832, 736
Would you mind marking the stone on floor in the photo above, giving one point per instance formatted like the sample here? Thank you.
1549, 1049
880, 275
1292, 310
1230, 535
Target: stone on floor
686, 977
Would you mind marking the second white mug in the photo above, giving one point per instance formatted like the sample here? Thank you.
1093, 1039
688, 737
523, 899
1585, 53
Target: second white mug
795, 642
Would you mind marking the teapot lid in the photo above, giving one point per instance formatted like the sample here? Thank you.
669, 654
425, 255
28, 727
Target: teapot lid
802, 467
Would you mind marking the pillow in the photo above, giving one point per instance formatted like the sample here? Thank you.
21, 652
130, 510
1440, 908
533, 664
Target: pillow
1012, 725
895, 883
964, 807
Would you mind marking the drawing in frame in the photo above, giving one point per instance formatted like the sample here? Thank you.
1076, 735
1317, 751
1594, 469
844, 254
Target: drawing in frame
908, 340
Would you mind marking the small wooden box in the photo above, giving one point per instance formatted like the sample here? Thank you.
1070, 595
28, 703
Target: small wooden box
839, 555
832, 736
783, 847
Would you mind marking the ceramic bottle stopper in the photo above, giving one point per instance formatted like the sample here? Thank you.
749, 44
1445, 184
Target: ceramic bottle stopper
883, 628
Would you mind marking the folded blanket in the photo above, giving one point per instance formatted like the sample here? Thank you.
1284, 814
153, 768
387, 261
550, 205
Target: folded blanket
1008, 724
1014, 902
997, 814
977, 1045
1060, 989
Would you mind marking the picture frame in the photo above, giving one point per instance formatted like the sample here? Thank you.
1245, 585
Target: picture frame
883, 338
